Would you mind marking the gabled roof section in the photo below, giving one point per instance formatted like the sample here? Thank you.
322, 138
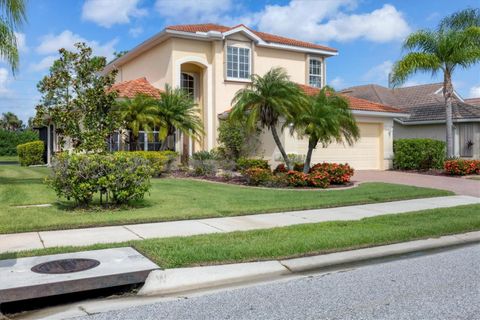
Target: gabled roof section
473, 101
355, 103
266, 37
129, 89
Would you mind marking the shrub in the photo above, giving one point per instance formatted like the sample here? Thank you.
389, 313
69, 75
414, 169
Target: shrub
9, 140
418, 154
160, 161
118, 178
281, 168
204, 163
236, 140
31, 153
337, 173
297, 179
298, 166
258, 176
461, 167
248, 163
318, 179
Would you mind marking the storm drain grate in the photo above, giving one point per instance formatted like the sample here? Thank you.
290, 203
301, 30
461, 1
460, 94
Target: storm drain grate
65, 266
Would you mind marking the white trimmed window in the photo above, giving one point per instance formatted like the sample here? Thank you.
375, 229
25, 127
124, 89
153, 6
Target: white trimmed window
238, 63
315, 73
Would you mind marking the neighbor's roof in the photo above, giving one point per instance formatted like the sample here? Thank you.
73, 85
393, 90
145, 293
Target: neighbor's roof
473, 101
267, 37
356, 103
131, 88
423, 102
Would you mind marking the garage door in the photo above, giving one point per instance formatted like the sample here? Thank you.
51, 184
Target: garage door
364, 154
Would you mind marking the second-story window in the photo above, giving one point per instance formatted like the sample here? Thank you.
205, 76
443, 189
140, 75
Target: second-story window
238, 63
315, 73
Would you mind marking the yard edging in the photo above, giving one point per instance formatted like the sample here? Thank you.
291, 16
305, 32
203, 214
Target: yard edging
173, 281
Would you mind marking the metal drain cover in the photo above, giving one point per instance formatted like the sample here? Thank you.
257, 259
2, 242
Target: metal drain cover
65, 266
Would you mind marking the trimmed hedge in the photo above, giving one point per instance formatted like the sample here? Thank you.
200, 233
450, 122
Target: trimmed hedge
248, 163
9, 140
31, 153
160, 161
418, 154
117, 178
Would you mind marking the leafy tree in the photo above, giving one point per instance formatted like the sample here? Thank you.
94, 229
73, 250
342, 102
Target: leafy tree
10, 122
326, 119
12, 16
75, 97
267, 99
236, 140
455, 44
177, 111
139, 113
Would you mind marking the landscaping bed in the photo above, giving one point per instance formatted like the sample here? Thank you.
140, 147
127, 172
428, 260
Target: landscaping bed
173, 199
293, 241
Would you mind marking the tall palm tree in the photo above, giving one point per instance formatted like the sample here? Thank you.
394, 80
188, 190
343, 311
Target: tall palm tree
11, 122
139, 113
443, 50
326, 119
462, 19
177, 111
267, 99
12, 16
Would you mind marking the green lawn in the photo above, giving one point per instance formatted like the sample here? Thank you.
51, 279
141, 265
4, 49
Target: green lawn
8, 159
174, 199
294, 241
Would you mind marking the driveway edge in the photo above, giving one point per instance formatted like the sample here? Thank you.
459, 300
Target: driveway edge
170, 281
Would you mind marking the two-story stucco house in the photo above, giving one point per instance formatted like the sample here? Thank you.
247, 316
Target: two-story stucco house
213, 62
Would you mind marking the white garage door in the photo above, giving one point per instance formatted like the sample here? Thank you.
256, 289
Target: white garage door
364, 154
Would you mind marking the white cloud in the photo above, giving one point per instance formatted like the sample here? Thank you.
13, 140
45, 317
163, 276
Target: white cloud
474, 92
135, 32
52, 43
4, 80
191, 11
379, 73
44, 64
109, 12
337, 83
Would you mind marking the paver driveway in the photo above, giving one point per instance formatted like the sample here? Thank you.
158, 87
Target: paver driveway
460, 186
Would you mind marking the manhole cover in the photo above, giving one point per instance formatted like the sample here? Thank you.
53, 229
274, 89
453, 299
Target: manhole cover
65, 266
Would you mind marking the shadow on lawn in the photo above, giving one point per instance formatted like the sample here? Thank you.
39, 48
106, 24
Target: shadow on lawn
19, 180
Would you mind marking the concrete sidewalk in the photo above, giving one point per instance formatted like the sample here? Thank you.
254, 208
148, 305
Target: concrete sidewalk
88, 236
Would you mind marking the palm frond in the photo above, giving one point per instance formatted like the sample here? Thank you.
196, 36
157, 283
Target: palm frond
412, 63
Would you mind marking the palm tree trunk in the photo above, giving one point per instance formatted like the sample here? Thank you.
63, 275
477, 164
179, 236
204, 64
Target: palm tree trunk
311, 145
280, 146
448, 95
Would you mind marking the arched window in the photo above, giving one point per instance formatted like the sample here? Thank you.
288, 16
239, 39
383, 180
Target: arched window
188, 84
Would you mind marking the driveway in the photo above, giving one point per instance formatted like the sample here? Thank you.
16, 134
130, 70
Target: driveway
458, 185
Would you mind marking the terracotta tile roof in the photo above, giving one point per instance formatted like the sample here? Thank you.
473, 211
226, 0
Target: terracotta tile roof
473, 101
131, 88
355, 103
267, 37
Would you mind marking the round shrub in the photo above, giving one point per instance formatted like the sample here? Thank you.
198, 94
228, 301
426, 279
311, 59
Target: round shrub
204, 163
297, 179
116, 178
337, 173
247, 163
258, 176
160, 161
461, 167
318, 179
418, 154
31, 153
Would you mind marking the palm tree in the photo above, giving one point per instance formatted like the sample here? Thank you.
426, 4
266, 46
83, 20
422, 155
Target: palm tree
11, 122
443, 50
462, 19
267, 99
326, 119
177, 111
12, 16
139, 113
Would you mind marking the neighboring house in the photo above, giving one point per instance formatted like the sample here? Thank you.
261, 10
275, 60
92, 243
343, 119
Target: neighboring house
426, 107
213, 62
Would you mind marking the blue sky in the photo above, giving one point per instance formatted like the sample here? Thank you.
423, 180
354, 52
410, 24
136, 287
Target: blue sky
367, 33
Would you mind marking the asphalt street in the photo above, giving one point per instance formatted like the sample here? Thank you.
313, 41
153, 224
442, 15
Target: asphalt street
444, 285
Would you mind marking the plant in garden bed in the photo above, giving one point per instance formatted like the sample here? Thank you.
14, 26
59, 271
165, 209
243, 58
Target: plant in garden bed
461, 167
248, 163
116, 178
204, 163
160, 161
337, 173
31, 153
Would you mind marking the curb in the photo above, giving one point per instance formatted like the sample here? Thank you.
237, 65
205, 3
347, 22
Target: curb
169, 281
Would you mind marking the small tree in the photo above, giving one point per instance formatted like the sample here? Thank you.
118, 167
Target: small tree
326, 119
177, 111
267, 99
236, 140
75, 98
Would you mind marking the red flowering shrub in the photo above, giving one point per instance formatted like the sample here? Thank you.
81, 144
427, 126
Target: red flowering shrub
281, 168
297, 179
319, 179
337, 173
258, 176
462, 167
